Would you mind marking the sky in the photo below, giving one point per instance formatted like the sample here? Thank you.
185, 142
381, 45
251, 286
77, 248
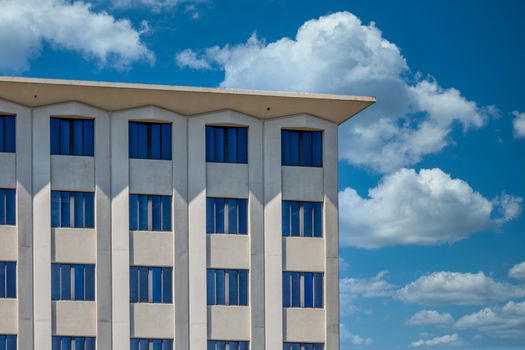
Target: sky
431, 178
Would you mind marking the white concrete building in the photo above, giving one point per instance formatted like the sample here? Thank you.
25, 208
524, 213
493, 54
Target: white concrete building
161, 217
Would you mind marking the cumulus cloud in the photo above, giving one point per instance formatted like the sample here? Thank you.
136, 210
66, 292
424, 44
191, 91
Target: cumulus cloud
353, 288
500, 322
518, 271
519, 124
74, 26
449, 339
427, 207
339, 54
457, 288
348, 339
155, 5
188, 58
430, 317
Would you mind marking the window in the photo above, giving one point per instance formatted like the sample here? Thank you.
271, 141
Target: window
7, 342
7, 206
227, 345
303, 346
150, 284
226, 215
150, 140
226, 144
7, 280
227, 287
302, 219
7, 135
73, 343
72, 209
73, 137
73, 282
147, 344
302, 148
149, 212
303, 289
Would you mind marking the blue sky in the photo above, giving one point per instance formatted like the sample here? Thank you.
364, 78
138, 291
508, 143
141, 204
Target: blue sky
431, 178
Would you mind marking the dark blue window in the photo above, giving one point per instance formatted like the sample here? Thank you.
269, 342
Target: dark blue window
7, 206
227, 287
228, 345
303, 289
150, 284
149, 212
7, 279
73, 282
72, 209
7, 133
226, 215
77, 343
310, 214
303, 346
7, 342
302, 148
150, 140
147, 344
226, 144
72, 136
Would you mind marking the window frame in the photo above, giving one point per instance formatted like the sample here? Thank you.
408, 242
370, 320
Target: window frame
226, 144
302, 147
140, 140
72, 136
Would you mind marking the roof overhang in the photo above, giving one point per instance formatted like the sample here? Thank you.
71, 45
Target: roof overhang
188, 101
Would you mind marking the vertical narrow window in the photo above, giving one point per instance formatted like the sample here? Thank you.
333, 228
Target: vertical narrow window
226, 215
89, 137
167, 294
301, 148
302, 219
77, 137
210, 285
55, 135
243, 287
143, 284
133, 284
220, 287
133, 142
7, 279
166, 141
65, 282
72, 209
155, 142
149, 212
89, 272
303, 289
9, 134
233, 281
142, 140
79, 282
2, 133
226, 144
156, 284
64, 137
7, 206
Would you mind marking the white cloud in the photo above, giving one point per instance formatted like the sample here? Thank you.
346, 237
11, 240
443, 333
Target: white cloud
449, 339
339, 54
519, 124
430, 317
26, 25
348, 339
188, 58
457, 288
155, 5
500, 322
518, 271
423, 208
353, 288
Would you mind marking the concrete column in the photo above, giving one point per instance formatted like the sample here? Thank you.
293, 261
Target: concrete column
197, 234
331, 234
120, 231
42, 228
272, 235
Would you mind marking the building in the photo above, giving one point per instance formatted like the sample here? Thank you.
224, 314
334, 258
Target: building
159, 217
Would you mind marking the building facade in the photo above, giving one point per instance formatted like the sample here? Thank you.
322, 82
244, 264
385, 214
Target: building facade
155, 217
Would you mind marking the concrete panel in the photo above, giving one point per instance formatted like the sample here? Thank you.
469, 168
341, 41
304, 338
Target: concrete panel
229, 322
303, 183
303, 254
152, 320
9, 245
228, 251
151, 248
75, 318
304, 325
9, 312
227, 180
72, 173
74, 245
150, 176
8, 173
